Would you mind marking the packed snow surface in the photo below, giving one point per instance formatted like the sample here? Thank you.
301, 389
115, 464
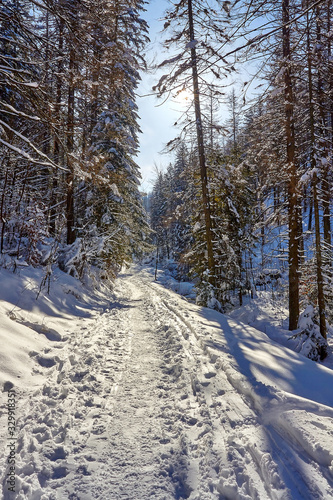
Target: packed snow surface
139, 394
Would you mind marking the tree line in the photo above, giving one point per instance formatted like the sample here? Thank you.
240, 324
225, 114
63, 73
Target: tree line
69, 133
248, 199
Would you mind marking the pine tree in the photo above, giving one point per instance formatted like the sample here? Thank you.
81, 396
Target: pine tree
70, 129
115, 137
187, 19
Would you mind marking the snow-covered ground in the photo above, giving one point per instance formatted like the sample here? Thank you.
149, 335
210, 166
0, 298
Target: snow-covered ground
139, 394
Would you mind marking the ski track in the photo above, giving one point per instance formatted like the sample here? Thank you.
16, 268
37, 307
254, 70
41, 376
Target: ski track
137, 407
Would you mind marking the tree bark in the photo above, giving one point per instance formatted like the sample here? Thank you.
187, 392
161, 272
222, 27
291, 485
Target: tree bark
201, 151
325, 147
2, 207
320, 283
56, 130
292, 172
70, 147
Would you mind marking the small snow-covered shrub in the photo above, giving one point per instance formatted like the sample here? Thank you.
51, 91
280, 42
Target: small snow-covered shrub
310, 341
32, 236
86, 257
206, 296
72, 259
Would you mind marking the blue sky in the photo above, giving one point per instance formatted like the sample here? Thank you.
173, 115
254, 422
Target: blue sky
156, 120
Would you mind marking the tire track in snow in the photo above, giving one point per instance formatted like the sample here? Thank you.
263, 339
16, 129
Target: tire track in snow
136, 406
262, 461
225, 468
144, 458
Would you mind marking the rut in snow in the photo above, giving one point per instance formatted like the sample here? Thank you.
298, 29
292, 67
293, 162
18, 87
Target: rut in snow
137, 406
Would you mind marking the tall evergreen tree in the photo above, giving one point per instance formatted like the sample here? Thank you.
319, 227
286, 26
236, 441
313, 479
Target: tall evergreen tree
70, 127
187, 19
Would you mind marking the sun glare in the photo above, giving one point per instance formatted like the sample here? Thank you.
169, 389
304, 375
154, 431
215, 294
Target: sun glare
183, 96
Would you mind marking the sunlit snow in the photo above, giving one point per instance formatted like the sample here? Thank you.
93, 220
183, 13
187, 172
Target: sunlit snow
138, 393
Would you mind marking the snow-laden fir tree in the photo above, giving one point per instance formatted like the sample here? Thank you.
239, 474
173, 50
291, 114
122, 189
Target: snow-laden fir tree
70, 131
116, 220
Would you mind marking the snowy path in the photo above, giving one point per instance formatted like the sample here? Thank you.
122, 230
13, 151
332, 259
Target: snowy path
143, 402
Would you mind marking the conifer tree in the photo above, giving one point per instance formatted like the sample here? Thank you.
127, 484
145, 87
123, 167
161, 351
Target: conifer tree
70, 128
187, 19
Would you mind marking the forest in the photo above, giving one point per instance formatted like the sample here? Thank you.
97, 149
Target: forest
245, 205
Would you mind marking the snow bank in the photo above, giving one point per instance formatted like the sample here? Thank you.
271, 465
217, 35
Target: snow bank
30, 325
141, 393
314, 433
291, 394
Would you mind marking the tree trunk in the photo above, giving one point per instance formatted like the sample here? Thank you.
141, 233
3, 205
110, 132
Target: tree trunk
320, 283
2, 207
56, 132
325, 147
156, 264
70, 147
292, 173
201, 151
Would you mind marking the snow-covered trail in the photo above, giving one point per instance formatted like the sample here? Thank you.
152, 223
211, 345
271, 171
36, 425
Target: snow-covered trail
142, 403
